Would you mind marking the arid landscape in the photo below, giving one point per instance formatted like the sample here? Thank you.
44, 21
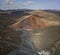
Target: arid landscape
32, 29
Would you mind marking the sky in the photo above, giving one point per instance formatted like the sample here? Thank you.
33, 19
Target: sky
30, 4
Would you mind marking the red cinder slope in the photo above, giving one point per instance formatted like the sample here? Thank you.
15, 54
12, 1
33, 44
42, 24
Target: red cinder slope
28, 22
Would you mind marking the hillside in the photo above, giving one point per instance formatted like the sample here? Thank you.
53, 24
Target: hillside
37, 19
46, 15
28, 22
57, 12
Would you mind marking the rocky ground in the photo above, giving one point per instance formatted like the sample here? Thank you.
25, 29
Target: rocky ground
37, 39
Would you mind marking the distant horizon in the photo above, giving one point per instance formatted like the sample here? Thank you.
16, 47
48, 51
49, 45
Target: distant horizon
31, 9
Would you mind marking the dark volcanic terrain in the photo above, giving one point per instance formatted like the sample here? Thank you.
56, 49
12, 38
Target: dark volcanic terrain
33, 29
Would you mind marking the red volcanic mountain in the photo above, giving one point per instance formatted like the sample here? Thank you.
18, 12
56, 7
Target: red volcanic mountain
28, 22
37, 19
